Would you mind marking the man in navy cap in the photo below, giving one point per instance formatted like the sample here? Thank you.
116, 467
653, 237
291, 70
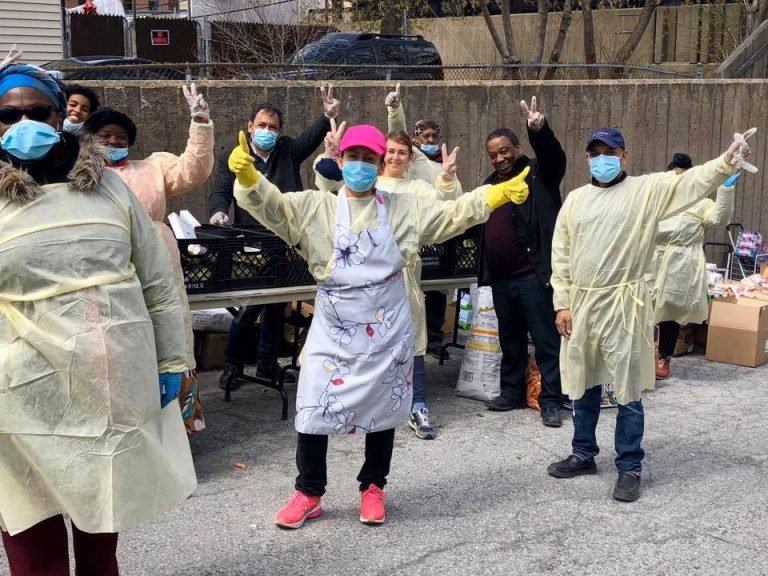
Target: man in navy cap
601, 250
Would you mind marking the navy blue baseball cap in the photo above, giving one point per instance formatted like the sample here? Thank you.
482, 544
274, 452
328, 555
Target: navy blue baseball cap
608, 136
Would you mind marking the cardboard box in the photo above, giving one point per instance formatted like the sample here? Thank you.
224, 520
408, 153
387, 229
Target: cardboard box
700, 339
738, 332
209, 350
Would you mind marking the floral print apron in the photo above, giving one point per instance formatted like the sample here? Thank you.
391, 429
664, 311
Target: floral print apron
357, 367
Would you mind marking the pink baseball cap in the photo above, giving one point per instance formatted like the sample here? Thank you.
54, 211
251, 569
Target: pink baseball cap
366, 136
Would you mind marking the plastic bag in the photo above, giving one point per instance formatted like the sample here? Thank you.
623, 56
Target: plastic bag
480, 374
533, 384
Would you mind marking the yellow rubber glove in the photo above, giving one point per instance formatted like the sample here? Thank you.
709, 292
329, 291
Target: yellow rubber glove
241, 163
514, 190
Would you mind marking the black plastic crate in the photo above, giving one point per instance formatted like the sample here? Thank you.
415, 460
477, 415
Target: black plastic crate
224, 258
455, 258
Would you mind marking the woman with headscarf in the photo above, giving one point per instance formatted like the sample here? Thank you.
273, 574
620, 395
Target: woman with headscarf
160, 176
357, 363
91, 345
394, 178
681, 276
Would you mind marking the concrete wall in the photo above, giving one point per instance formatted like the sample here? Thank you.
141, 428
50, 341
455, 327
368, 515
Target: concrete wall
658, 118
699, 33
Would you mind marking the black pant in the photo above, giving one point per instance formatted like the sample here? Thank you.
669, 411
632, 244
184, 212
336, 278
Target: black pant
434, 303
669, 330
310, 460
242, 335
524, 305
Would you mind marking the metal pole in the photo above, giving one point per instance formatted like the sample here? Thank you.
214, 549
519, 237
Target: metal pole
405, 21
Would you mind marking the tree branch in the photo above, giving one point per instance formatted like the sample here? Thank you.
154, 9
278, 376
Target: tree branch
541, 29
637, 33
494, 33
565, 22
590, 55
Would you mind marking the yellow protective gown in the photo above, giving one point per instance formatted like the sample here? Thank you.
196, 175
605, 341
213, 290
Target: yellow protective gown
307, 219
161, 176
447, 190
601, 251
681, 276
88, 317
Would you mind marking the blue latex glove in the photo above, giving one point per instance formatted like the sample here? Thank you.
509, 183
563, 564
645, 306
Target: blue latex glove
732, 179
170, 387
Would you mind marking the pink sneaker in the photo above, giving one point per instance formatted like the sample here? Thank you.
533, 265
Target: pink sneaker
372, 506
299, 508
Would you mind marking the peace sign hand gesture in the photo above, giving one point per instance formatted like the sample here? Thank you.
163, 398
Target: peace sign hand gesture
333, 138
449, 163
533, 116
330, 104
198, 107
393, 98
13, 55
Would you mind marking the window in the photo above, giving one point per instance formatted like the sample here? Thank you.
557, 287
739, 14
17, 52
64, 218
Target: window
361, 56
393, 54
425, 55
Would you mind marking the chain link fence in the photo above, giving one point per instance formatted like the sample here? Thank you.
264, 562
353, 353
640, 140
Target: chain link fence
325, 72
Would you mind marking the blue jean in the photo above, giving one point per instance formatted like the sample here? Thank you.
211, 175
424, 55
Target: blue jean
242, 332
419, 380
523, 304
630, 422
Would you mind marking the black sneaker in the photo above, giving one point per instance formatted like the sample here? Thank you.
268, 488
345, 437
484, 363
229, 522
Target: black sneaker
419, 423
230, 372
627, 487
571, 467
501, 404
550, 417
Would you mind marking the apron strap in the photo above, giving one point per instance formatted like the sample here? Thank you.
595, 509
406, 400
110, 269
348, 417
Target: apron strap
343, 218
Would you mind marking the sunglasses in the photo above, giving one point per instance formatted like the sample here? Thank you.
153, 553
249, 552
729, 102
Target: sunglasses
39, 113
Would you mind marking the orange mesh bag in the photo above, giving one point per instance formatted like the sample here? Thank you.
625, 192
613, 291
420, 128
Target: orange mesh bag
533, 384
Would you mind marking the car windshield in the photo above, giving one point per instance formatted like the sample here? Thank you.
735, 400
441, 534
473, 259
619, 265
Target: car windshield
318, 52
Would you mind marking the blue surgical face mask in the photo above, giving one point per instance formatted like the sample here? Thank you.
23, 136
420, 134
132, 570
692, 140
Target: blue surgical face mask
359, 176
604, 168
264, 139
72, 127
29, 139
115, 155
430, 149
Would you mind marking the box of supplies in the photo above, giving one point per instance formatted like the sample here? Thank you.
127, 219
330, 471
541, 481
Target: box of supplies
738, 332
685, 340
209, 350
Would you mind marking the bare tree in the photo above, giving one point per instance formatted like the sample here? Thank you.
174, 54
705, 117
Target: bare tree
541, 28
630, 45
565, 22
757, 13
590, 54
506, 48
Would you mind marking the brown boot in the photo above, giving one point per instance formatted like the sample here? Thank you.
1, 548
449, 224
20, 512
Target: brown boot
662, 369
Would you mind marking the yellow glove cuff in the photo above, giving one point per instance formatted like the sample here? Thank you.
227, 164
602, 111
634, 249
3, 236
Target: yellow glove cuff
248, 177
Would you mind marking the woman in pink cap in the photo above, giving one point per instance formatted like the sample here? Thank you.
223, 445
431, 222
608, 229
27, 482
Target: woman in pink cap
356, 373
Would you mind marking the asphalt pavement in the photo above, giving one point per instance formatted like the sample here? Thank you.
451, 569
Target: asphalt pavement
477, 500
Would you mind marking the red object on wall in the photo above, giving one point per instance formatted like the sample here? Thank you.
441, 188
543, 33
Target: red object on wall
88, 8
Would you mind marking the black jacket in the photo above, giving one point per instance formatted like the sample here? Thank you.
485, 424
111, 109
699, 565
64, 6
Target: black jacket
535, 218
281, 168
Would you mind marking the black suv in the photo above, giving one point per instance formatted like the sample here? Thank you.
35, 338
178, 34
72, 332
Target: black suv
93, 68
347, 55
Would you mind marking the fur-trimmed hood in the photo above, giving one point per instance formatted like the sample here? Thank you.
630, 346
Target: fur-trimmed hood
85, 176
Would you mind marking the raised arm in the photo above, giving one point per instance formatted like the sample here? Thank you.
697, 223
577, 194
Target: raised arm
395, 113
312, 137
546, 147
719, 212
673, 193
439, 221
